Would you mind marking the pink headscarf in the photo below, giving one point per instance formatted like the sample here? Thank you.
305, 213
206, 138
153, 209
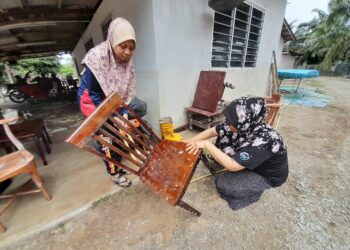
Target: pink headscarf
111, 75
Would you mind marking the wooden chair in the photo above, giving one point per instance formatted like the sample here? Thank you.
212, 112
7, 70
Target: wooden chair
19, 162
205, 111
29, 130
273, 105
164, 166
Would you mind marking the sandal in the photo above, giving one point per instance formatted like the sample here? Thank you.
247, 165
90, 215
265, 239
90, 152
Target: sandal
121, 180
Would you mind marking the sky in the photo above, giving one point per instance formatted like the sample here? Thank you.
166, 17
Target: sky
301, 10
65, 58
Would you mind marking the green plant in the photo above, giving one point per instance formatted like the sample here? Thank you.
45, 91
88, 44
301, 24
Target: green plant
37, 66
326, 38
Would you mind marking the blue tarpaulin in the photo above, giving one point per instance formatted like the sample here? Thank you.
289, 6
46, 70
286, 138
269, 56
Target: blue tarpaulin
297, 73
306, 96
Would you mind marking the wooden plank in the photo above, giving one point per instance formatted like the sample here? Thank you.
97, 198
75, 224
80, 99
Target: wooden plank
91, 124
169, 170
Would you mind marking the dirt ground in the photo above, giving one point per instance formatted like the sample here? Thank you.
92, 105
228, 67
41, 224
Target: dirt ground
310, 211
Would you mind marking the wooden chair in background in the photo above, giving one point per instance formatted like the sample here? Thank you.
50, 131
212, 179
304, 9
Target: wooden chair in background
16, 163
207, 106
29, 131
273, 105
164, 166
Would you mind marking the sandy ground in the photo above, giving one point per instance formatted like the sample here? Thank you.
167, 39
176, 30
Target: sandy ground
310, 211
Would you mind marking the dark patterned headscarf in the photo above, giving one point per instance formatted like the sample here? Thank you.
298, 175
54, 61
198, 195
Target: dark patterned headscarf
247, 115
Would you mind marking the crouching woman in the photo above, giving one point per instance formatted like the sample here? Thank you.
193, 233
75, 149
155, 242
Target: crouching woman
251, 150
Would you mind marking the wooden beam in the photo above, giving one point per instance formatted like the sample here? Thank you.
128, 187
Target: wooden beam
31, 55
37, 33
59, 4
37, 23
28, 44
46, 11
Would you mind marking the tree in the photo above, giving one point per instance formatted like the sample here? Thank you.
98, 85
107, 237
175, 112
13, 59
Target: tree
66, 70
38, 66
326, 38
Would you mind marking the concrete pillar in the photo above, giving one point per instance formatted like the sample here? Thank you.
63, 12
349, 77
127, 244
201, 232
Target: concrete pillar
8, 73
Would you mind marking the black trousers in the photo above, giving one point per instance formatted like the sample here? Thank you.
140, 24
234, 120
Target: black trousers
242, 188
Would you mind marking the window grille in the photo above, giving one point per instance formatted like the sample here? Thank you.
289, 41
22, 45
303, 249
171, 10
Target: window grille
236, 37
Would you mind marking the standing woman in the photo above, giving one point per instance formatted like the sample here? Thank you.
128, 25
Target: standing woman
108, 67
251, 150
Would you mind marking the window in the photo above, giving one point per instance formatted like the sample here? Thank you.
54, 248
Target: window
89, 45
105, 26
236, 37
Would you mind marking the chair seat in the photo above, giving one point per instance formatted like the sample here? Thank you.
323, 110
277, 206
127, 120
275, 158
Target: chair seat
25, 130
169, 170
11, 163
204, 112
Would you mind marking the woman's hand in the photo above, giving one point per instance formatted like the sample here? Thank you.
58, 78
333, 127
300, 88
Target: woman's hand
193, 147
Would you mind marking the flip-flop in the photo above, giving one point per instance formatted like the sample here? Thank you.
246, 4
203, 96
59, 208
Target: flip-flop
122, 181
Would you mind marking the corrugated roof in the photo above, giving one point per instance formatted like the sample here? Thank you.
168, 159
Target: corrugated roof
31, 28
287, 33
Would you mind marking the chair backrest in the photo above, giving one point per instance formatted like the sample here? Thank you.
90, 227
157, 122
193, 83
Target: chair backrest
116, 134
4, 122
273, 105
209, 90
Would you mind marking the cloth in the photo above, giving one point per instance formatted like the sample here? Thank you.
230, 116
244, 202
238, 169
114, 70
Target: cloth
240, 189
255, 145
111, 75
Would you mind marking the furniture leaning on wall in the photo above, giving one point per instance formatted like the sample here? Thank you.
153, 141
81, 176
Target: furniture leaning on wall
207, 106
164, 166
273, 105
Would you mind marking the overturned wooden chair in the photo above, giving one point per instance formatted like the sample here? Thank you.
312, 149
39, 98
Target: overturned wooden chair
16, 163
165, 166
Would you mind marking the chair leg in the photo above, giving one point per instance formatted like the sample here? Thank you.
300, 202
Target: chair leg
41, 152
184, 205
39, 183
206, 162
2, 228
46, 143
47, 135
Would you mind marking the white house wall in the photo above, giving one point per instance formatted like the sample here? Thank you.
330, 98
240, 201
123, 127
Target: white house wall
174, 42
183, 31
140, 15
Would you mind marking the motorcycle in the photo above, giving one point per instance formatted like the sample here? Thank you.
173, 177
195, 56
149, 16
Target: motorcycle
31, 93
34, 93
